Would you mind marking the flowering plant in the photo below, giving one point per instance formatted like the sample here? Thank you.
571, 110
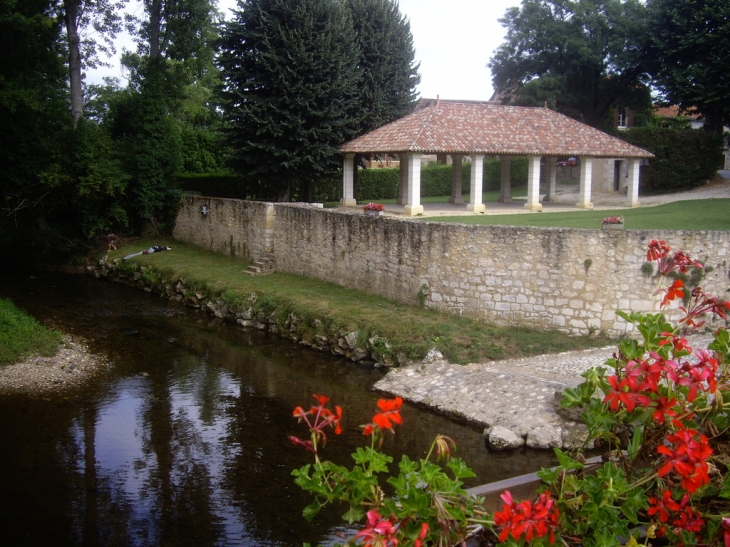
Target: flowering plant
374, 207
661, 416
429, 506
613, 220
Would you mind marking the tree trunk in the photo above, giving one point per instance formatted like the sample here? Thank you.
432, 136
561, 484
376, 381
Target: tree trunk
71, 9
155, 26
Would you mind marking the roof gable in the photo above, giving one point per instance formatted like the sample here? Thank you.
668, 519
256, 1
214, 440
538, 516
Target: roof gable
462, 127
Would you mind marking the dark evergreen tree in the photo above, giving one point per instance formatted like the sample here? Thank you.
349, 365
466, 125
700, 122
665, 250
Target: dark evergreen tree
389, 71
583, 58
690, 54
290, 88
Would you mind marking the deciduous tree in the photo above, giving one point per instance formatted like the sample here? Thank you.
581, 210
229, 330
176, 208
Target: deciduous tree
584, 57
690, 50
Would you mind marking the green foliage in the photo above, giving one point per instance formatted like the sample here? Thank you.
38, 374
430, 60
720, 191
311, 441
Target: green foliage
21, 335
583, 58
90, 174
428, 503
290, 87
685, 158
688, 43
33, 111
389, 74
219, 185
436, 179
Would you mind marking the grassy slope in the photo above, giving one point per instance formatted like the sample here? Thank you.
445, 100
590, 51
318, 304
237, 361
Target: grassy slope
408, 327
701, 214
21, 335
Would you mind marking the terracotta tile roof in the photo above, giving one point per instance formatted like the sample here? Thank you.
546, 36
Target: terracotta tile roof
673, 111
463, 127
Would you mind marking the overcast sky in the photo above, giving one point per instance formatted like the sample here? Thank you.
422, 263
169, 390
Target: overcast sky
454, 40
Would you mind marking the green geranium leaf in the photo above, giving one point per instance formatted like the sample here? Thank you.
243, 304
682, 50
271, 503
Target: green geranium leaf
566, 462
311, 510
460, 469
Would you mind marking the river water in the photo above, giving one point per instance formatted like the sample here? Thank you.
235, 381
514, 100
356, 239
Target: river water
184, 441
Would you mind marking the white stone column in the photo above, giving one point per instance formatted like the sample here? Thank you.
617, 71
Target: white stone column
505, 194
533, 184
456, 171
413, 205
552, 175
348, 175
633, 189
475, 204
584, 191
403, 181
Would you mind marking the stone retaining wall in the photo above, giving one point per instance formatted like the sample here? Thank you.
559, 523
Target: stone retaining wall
229, 226
570, 279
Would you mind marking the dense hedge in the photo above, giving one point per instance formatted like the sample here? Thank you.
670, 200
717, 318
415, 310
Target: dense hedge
217, 185
685, 158
436, 179
373, 184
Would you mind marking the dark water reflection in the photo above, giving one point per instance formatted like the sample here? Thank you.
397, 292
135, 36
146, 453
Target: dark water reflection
184, 442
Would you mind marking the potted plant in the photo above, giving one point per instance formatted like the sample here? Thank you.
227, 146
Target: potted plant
613, 223
373, 209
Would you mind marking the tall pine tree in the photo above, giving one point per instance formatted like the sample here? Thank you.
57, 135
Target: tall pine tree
387, 62
290, 88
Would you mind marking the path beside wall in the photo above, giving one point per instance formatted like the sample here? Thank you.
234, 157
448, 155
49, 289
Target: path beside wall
570, 279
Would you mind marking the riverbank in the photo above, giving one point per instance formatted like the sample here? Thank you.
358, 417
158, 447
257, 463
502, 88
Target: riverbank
363, 327
72, 367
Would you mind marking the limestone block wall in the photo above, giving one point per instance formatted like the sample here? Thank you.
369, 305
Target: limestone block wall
569, 279
230, 226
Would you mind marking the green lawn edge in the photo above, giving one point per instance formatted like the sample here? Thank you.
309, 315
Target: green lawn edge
409, 329
21, 335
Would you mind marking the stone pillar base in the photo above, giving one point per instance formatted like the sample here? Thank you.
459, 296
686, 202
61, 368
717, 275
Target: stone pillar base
458, 199
476, 207
348, 202
583, 205
533, 206
504, 199
634, 205
413, 210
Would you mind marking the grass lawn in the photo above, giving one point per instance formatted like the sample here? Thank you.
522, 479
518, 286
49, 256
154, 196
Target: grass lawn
408, 328
700, 214
21, 335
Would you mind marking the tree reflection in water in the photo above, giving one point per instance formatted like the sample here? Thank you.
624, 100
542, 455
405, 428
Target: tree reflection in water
184, 443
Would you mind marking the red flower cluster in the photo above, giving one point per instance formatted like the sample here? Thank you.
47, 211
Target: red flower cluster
641, 384
700, 304
659, 251
613, 220
382, 532
531, 519
374, 207
683, 516
321, 417
687, 457
389, 414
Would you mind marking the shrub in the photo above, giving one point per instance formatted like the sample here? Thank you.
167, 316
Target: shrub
685, 158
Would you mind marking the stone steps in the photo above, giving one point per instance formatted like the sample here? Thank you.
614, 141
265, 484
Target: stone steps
262, 266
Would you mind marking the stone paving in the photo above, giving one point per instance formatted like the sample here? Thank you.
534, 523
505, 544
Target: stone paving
514, 400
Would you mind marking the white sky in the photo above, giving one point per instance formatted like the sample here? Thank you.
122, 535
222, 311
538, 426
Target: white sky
454, 40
